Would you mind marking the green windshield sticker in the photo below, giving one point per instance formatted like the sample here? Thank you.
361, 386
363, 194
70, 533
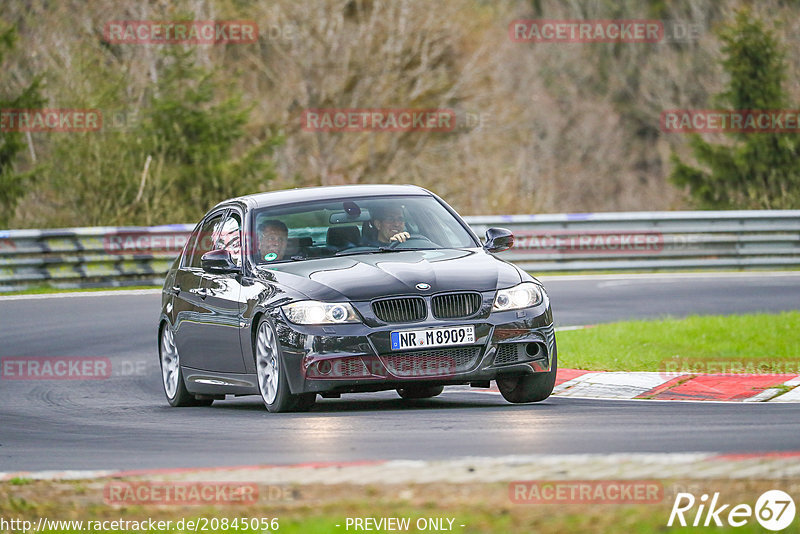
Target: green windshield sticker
271, 256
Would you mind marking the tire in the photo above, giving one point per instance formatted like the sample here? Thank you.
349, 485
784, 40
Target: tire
271, 374
420, 392
530, 388
172, 374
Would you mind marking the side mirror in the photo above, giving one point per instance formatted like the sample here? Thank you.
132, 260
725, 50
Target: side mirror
498, 240
218, 261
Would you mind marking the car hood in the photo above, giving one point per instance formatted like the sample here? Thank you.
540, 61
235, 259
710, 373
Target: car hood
364, 277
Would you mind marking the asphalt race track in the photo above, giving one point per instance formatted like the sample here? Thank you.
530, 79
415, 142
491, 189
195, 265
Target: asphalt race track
124, 422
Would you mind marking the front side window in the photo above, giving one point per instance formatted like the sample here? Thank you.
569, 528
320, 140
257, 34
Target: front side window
360, 225
186, 258
204, 241
229, 238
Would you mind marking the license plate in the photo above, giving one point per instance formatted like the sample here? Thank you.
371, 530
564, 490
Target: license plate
433, 337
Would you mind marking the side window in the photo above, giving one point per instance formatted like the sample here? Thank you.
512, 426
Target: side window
190, 243
204, 240
230, 237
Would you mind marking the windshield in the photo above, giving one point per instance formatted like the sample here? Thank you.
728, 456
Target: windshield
358, 226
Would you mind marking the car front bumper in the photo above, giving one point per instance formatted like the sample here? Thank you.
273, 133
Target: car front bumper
357, 357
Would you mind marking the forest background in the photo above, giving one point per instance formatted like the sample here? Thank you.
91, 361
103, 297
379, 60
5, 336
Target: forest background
541, 127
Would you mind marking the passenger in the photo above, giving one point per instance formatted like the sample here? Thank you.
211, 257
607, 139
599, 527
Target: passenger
272, 239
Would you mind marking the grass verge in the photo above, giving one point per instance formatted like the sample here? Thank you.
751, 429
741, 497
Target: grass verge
762, 342
319, 508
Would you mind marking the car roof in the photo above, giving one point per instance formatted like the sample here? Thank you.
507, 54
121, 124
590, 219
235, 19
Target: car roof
288, 196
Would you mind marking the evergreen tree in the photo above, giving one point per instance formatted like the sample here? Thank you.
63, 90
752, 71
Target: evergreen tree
196, 137
755, 170
13, 183
188, 150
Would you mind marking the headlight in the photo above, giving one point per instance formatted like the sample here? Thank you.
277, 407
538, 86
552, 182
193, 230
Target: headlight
314, 312
524, 295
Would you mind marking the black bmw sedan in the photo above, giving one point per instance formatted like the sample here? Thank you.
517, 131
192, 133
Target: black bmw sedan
331, 290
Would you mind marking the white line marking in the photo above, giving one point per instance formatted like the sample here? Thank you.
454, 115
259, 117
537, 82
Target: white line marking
57, 475
763, 396
554, 278
731, 403
111, 293
557, 395
614, 385
662, 276
568, 328
615, 283
597, 466
569, 383
790, 396
793, 382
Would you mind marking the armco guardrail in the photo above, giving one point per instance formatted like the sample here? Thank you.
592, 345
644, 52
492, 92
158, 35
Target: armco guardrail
117, 256
651, 240
105, 256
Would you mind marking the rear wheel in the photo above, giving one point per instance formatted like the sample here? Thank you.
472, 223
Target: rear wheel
530, 388
420, 392
171, 374
271, 374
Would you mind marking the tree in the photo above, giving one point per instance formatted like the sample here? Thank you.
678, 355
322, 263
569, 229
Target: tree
755, 170
188, 150
13, 183
196, 137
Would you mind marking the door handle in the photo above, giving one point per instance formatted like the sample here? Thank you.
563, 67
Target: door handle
200, 291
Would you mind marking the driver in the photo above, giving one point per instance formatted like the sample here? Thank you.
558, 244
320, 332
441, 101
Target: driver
272, 239
390, 224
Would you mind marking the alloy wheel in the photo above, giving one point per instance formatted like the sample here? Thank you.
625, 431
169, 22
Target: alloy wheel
170, 362
267, 363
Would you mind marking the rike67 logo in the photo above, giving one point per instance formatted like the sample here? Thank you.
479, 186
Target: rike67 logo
774, 510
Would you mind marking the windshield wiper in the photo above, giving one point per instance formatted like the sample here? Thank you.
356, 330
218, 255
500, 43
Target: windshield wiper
379, 250
354, 252
389, 249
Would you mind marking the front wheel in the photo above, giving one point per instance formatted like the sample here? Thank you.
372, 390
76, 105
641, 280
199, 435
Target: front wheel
530, 388
171, 374
272, 381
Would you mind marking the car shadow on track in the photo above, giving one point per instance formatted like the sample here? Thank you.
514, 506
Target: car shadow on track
363, 403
